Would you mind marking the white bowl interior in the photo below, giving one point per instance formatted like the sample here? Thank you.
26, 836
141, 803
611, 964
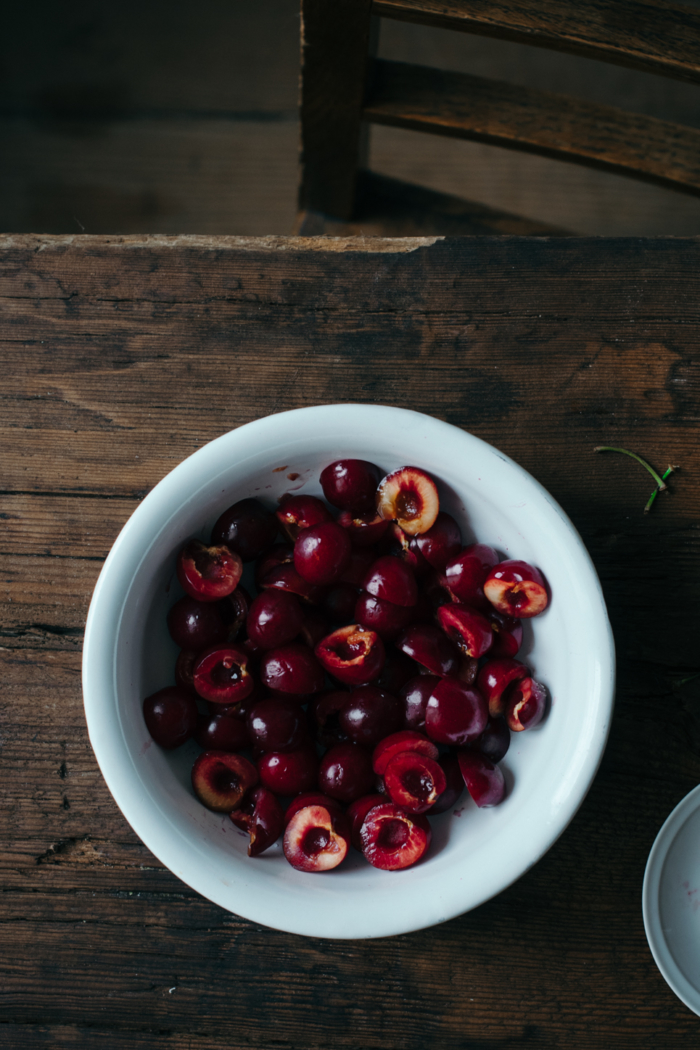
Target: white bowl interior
475, 853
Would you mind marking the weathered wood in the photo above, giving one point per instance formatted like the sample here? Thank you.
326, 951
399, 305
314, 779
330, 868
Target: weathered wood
151, 346
652, 35
542, 122
335, 45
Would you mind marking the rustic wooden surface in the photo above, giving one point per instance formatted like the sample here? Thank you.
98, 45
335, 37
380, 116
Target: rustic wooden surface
543, 122
120, 358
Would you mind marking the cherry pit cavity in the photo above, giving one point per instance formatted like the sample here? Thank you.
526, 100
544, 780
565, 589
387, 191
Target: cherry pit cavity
372, 675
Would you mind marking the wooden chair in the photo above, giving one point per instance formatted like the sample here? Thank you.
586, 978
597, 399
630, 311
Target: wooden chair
344, 88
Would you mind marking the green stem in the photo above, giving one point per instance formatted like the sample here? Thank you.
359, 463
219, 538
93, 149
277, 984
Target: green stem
669, 470
608, 448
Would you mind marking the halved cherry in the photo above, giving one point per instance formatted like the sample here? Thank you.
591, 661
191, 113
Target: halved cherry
409, 496
286, 578
468, 629
455, 714
393, 839
310, 798
441, 542
485, 781
358, 810
221, 779
352, 654
427, 645
297, 513
414, 781
316, 839
396, 743
208, 573
260, 814
526, 702
517, 589
221, 674
493, 679
466, 573
507, 633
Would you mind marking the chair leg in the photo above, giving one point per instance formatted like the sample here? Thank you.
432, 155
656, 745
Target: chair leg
336, 41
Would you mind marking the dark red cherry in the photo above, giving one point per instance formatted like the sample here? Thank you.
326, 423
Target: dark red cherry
364, 529
260, 814
484, 779
370, 714
247, 527
275, 618
516, 588
297, 513
415, 695
221, 732
454, 784
414, 781
466, 573
289, 772
292, 669
170, 716
391, 580
277, 725
221, 674
351, 484
429, 647
346, 772
353, 655
384, 617
441, 542
455, 714
322, 552
468, 629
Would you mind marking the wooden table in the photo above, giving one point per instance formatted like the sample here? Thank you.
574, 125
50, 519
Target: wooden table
121, 356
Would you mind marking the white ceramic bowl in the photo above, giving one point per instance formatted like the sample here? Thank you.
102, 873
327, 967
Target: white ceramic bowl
475, 853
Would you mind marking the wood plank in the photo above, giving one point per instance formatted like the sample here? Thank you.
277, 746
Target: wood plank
335, 44
549, 124
61, 526
652, 35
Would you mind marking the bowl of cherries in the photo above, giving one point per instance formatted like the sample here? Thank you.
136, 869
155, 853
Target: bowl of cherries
348, 671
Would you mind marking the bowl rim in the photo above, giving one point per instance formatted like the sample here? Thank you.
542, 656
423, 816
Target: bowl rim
104, 727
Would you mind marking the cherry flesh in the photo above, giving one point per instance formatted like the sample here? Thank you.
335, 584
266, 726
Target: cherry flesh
517, 589
356, 813
302, 512
397, 743
260, 814
526, 702
468, 629
351, 484
393, 839
316, 839
220, 779
414, 781
247, 528
409, 496
310, 798
208, 573
494, 678
221, 674
170, 716
353, 654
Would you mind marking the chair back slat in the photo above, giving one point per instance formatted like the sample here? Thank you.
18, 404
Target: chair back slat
656, 36
541, 122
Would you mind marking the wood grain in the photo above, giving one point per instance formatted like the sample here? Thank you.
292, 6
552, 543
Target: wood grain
115, 348
651, 35
549, 124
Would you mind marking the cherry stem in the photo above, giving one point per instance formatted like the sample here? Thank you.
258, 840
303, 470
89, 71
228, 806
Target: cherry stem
669, 470
608, 448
